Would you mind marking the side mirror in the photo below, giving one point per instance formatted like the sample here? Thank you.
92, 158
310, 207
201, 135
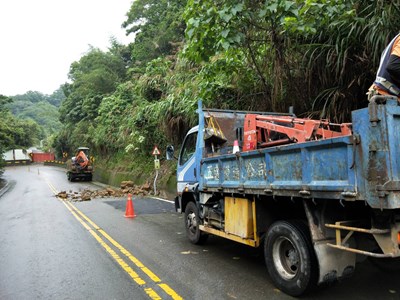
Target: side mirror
170, 152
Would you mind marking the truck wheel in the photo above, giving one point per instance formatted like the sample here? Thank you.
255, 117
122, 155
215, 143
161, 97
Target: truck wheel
70, 177
290, 257
192, 223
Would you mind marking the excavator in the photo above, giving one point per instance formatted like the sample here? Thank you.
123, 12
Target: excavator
79, 167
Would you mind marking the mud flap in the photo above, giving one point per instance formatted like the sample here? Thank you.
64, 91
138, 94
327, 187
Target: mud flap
334, 264
177, 205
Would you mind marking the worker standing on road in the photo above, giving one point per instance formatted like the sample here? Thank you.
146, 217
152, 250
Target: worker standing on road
387, 80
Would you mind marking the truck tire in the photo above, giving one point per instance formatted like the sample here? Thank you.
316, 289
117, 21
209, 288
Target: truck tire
290, 257
192, 223
70, 177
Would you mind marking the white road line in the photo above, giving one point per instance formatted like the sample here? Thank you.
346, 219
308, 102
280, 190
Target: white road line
165, 200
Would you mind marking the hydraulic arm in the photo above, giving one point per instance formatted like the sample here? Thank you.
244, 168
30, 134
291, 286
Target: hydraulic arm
262, 131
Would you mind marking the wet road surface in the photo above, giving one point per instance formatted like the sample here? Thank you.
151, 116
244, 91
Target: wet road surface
52, 249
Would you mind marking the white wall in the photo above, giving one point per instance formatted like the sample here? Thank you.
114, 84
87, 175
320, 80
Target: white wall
15, 154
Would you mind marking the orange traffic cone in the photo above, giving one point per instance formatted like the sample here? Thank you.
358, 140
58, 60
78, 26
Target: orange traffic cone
129, 212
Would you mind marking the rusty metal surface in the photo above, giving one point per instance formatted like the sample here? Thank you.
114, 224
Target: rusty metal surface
364, 166
357, 229
377, 155
314, 169
386, 238
367, 253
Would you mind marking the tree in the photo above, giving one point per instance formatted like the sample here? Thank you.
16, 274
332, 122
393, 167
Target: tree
3, 135
94, 76
250, 30
17, 132
314, 55
158, 28
342, 49
30, 96
36, 106
56, 97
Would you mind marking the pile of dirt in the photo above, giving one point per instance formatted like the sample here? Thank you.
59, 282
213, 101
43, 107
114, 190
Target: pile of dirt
126, 187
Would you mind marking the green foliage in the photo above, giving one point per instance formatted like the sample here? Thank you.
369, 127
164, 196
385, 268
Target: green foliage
16, 132
212, 27
253, 31
33, 97
342, 54
57, 97
3, 135
95, 75
117, 111
6, 138
153, 83
2, 162
112, 129
63, 141
158, 28
26, 133
40, 108
3, 103
44, 114
316, 55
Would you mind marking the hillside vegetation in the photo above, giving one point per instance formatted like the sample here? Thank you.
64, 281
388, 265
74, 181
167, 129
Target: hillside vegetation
318, 56
30, 118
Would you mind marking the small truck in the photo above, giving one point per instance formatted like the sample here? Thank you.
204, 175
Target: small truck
314, 195
80, 166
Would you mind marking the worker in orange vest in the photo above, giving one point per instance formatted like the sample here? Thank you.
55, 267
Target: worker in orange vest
387, 80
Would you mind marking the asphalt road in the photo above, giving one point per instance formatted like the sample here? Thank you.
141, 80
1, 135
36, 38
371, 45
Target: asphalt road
53, 249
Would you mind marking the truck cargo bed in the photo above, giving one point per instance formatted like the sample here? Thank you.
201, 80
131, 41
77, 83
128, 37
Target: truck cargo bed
313, 169
363, 166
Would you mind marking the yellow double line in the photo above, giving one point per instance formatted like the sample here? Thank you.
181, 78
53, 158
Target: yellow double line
94, 230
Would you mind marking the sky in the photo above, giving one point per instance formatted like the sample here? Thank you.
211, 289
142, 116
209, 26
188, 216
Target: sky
39, 39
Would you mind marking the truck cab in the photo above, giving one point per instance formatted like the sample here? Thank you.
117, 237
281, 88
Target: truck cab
188, 166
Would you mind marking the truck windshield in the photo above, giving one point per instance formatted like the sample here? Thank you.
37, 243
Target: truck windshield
189, 148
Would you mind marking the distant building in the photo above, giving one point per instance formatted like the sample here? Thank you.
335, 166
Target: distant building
16, 156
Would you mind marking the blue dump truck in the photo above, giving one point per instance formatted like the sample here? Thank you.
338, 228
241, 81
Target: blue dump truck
315, 196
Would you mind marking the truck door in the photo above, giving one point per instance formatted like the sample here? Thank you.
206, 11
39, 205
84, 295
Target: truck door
187, 172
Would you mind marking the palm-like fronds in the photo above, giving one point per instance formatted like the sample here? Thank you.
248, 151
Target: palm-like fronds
343, 59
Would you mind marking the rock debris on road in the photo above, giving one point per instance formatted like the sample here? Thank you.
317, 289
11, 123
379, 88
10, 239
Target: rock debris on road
126, 187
